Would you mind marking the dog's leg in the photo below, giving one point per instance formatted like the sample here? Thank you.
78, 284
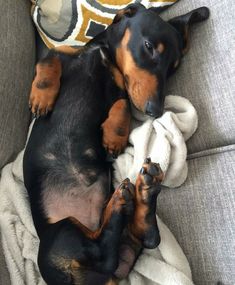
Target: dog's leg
46, 84
116, 127
70, 251
144, 225
115, 218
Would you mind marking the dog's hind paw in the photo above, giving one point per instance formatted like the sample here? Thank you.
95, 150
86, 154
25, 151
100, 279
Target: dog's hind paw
150, 174
123, 197
144, 226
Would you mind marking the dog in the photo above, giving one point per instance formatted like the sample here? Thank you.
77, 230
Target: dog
89, 232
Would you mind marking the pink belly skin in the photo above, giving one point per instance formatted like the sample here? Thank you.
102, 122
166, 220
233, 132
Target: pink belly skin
85, 205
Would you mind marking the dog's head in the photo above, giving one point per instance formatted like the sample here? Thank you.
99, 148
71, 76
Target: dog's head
146, 50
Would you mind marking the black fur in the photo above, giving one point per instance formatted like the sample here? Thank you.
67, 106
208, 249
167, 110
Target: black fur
56, 153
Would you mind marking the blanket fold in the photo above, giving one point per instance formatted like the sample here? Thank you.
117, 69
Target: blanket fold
163, 140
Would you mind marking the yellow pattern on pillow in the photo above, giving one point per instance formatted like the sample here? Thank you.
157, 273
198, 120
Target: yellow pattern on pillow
75, 22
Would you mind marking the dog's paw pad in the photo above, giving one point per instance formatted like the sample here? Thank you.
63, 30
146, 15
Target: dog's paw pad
127, 189
124, 195
151, 173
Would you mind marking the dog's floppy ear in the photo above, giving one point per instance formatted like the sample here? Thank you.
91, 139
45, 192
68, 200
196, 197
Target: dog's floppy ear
182, 24
129, 12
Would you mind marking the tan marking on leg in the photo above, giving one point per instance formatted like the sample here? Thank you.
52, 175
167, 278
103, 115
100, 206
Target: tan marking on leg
46, 85
116, 127
87, 232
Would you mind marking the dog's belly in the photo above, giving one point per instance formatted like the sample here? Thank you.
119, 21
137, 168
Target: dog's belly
86, 206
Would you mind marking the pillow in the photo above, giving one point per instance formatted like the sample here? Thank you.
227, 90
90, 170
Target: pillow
75, 22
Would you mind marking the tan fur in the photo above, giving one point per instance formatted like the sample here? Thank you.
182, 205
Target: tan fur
47, 74
140, 84
116, 127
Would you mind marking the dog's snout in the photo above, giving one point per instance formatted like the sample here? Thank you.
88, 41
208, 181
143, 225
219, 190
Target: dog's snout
153, 109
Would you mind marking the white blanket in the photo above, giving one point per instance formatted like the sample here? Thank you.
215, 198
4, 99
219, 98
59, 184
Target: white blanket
163, 140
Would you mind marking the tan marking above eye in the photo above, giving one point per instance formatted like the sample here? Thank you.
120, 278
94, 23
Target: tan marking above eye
160, 48
142, 85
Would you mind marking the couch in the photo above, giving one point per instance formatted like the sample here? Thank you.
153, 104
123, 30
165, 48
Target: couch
201, 212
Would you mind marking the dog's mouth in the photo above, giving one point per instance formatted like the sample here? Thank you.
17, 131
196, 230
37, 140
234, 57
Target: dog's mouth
148, 111
138, 114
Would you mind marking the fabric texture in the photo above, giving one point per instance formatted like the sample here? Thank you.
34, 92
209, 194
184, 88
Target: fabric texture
201, 216
75, 22
4, 274
17, 60
162, 139
20, 241
207, 74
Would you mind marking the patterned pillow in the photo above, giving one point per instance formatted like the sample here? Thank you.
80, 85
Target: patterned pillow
75, 22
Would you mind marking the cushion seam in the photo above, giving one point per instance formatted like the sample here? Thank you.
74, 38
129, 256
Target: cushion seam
211, 151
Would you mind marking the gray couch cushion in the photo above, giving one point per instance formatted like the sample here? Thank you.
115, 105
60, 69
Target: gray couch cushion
207, 74
17, 60
201, 216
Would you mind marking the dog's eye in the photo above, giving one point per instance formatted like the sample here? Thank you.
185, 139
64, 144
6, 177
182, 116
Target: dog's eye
149, 47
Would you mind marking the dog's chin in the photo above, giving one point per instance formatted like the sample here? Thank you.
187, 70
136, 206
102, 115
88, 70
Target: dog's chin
138, 114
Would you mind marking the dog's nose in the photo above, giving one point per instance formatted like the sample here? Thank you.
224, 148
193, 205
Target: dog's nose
153, 109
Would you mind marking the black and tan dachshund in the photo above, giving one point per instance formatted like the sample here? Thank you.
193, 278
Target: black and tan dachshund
90, 233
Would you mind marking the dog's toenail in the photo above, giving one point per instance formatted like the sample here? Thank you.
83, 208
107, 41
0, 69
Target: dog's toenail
142, 170
147, 160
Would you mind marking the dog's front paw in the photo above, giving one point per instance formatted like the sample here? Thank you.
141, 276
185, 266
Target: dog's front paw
114, 138
43, 96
